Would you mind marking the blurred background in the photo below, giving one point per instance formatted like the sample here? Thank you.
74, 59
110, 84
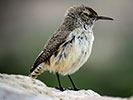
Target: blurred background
25, 26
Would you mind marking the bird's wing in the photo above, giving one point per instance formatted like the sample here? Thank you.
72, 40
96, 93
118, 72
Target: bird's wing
51, 46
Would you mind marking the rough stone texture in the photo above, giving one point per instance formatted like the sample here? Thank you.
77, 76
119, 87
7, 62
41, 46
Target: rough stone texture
19, 87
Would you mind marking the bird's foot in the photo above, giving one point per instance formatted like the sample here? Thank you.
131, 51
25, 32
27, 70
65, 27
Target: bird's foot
76, 89
61, 89
69, 88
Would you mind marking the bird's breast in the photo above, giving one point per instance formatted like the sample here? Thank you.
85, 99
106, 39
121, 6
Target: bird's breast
73, 53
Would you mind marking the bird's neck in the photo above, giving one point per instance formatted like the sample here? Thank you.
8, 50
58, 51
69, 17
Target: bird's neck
87, 27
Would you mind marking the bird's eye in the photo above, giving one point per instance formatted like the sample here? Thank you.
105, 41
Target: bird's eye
86, 14
90, 16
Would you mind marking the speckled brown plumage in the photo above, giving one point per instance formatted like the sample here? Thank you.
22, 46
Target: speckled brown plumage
70, 22
78, 22
70, 46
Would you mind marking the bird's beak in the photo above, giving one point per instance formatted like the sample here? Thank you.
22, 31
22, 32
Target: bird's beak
104, 18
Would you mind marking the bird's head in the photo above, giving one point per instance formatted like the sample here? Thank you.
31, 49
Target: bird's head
85, 15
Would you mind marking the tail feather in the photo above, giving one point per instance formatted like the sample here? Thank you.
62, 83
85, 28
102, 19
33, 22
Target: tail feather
35, 73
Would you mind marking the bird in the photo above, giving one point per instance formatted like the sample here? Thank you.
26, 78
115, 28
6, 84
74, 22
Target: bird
70, 46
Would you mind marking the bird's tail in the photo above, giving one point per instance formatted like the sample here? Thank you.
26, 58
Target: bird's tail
35, 73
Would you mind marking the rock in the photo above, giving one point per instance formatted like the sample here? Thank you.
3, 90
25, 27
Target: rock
19, 87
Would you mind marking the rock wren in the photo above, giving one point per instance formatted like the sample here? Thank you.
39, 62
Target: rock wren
69, 47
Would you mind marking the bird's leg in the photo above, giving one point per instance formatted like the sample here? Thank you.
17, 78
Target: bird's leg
74, 86
59, 82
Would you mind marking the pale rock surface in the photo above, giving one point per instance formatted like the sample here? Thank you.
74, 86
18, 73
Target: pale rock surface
19, 87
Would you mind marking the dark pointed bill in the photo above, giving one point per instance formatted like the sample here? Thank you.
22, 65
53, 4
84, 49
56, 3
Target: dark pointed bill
104, 18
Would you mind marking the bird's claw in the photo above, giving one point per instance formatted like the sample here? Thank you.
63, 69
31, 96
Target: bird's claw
75, 89
61, 89
68, 88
